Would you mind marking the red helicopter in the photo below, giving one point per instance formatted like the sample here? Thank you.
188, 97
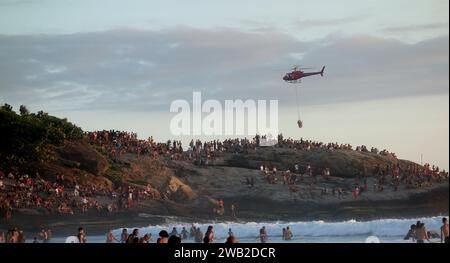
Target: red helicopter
297, 74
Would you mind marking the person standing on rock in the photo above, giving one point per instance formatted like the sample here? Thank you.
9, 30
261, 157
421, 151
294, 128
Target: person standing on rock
356, 192
233, 210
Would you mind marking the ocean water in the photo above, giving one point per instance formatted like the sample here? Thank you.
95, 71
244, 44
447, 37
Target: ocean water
351, 231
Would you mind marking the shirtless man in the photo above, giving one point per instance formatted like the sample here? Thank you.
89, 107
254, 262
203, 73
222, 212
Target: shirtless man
163, 237
444, 231
263, 235
230, 233
288, 234
198, 235
421, 233
184, 233
43, 235
174, 232
192, 231
13, 236
147, 238
411, 233
110, 238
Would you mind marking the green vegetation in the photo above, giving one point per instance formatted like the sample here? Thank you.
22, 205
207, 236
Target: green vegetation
26, 137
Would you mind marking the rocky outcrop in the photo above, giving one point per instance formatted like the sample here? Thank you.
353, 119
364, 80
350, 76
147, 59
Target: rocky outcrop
177, 190
83, 156
343, 163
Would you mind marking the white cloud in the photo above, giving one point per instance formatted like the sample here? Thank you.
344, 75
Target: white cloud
124, 69
51, 69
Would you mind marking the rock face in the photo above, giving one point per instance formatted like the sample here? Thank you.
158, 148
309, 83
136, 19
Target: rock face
87, 158
178, 190
343, 163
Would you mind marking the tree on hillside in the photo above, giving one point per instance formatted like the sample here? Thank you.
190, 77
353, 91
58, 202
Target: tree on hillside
6, 107
23, 110
27, 136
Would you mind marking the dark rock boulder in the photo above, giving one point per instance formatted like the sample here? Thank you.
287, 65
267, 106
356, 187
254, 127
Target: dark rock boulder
88, 158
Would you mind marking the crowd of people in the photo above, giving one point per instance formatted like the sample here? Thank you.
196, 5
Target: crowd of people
16, 235
410, 176
24, 191
311, 145
204, 153
66, 197
117, 143
195, 234
418, 233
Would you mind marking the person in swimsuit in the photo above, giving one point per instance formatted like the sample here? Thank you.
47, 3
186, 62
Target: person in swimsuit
209, 235
124, 236
81, 235
263, 235
444, 231
110, 238
421, 234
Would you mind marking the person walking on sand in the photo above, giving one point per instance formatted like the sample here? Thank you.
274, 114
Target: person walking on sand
444, 231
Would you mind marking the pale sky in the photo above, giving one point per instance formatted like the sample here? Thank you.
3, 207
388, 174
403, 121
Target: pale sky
119, 64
